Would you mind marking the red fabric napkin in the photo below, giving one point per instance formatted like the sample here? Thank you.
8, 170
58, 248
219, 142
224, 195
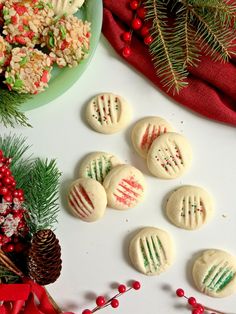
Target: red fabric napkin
212, 85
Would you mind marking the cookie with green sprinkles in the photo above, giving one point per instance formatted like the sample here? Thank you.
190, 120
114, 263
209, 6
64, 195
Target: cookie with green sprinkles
29, 71
214, 273
97, 165
152, 251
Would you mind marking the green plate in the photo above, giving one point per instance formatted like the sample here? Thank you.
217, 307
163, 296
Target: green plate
63, 79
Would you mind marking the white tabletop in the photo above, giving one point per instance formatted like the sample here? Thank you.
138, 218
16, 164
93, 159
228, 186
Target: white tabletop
95, 256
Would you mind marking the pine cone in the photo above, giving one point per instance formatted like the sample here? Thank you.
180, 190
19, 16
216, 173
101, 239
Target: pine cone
44, 260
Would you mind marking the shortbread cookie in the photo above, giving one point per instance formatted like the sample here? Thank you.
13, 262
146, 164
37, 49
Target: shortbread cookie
125, 186
87, 199
68, 7
97, 165
169, 156
151, 251
145, 131
214, 273
189, 207
108, 113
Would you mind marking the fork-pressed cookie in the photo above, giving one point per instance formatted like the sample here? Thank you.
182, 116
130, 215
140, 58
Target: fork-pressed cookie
189, 207
145, 131
108, 113
97, 165
214, 273
87, 199
151, 251
125, 186
169, 156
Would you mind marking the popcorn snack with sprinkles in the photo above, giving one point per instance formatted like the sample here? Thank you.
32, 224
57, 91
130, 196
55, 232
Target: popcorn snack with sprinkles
25, 20
29, 71
68, 40
5, 50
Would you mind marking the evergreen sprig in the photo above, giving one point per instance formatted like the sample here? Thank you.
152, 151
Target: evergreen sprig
10, 113
41, 195
38, 178
182, 30
6, 276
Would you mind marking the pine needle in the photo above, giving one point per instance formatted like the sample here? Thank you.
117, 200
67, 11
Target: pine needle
168, 57
10, 113
6, 276
41, 195
15, 147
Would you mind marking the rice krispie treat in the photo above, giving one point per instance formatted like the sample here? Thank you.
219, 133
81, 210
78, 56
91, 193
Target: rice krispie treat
29, 70
25, 20
5, 50
68, 40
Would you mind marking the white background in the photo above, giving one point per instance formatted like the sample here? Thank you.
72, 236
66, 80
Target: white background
95, 256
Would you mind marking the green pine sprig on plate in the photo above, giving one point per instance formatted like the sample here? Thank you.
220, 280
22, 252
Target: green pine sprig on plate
183, 30
10, 113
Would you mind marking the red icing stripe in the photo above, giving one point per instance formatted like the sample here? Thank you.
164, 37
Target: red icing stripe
124, 199
145, 137
129, 190
75, 208
80, 199
133, 183
85, 195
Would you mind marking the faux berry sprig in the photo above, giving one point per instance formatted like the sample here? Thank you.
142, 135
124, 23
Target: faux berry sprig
196, 307
101, 302
137, 24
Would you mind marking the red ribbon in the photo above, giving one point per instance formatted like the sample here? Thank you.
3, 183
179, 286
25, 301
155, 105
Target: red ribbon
25, 298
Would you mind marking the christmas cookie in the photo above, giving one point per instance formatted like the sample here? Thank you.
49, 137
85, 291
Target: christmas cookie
145, 131
169, 156
68, 7
108, 113
125, 187
97, 165
214, 273
151, 251
87, 199
189, 207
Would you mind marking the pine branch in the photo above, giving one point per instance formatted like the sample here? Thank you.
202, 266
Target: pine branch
10, 113
15, 147
41, 195
168, 57
6, 276
186, 37
224, 10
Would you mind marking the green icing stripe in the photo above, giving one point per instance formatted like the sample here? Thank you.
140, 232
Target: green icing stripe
150, 253
209, 274
162, 248
96, 169
226, 281
156, 252
145, 259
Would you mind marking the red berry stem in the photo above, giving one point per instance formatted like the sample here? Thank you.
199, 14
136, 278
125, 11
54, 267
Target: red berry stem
196, 307
113, 302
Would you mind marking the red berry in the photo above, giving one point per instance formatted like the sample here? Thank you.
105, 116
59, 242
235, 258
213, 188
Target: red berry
122, 288
3, 191
9, 248
134, 5
196, 311
114, 303
136, 23
21, 198
126, 52
200, 308
141, 12
180, 292
192, 301
7, 180
15, 193
126, 36
8, 198
86, 312
136, 285
148, 40
20, 192
100, 301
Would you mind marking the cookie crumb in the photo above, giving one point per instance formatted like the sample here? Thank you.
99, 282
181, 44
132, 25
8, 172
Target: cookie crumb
224, 216
126, 220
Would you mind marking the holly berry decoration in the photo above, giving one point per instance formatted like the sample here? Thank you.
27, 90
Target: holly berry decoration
13, 227
195, 307
101, 302
137, 24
